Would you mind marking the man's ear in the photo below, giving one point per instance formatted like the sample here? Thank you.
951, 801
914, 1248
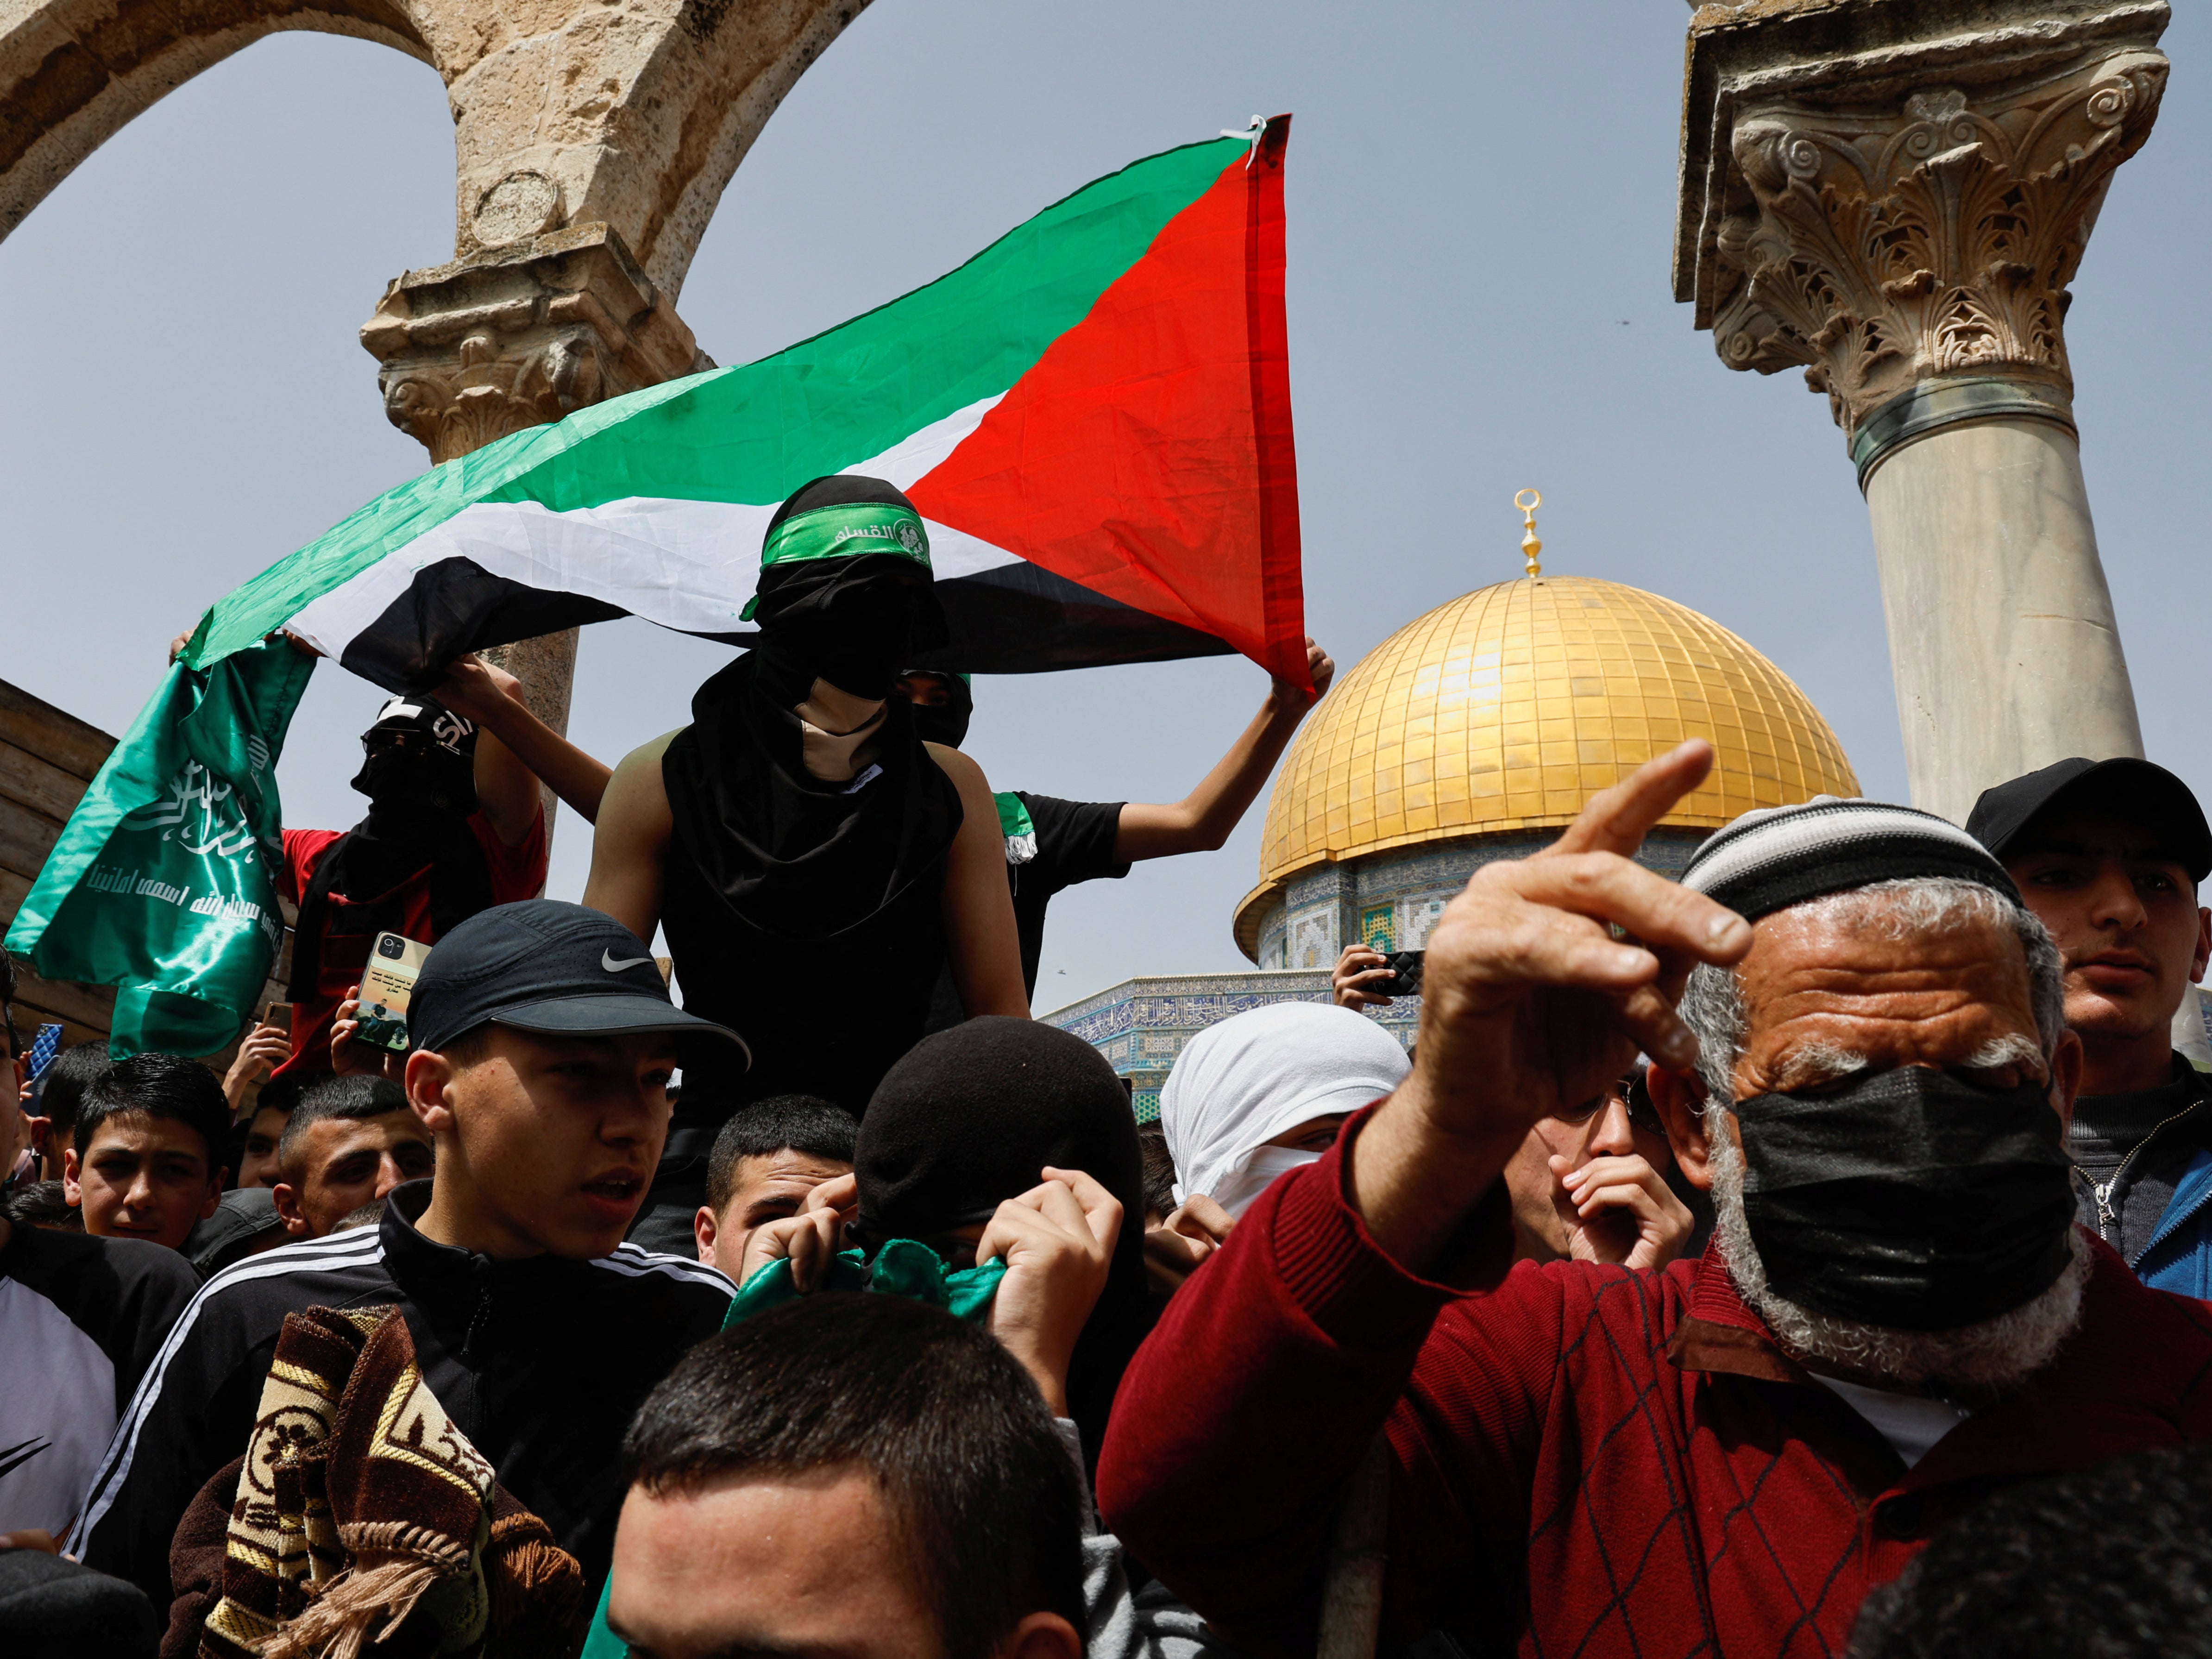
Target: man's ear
428, 1081
702, 1229
2066, 1076
288, 1206
2203, 956
214, 1193
1042, 1636
72, 1178
1680, 1098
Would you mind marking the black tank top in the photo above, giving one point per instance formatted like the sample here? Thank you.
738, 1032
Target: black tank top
806, 915
826, 1016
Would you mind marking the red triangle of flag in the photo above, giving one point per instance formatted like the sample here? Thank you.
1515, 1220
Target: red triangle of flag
1148, 453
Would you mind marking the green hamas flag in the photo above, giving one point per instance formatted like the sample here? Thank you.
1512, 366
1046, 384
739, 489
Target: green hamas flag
159, 884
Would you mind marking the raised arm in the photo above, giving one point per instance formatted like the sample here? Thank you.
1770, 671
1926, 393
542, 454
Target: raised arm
630, 840
1201, 821
515, 750
1531, 1004
979, 909
1311, 1327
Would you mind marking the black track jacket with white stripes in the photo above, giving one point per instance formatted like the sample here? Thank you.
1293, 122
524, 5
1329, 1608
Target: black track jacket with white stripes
541, 1362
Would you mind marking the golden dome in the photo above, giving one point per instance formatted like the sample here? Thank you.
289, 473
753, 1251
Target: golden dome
1508, 707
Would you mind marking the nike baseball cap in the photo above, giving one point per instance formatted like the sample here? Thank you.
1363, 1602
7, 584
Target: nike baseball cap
553, 968
2140, 791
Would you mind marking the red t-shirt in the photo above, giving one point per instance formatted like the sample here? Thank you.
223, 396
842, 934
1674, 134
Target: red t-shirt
517, 872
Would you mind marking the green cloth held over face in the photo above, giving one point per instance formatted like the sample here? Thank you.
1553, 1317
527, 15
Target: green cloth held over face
904, 1266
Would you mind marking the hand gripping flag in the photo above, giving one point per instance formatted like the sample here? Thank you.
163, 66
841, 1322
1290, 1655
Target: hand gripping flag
1092, 416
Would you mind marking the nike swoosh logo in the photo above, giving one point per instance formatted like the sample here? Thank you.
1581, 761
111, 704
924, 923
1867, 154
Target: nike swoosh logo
13, 1457
607, 961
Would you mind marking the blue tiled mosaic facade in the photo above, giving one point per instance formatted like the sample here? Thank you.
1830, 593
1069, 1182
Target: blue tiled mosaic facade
1398, 896
1140, 1025
1390, 900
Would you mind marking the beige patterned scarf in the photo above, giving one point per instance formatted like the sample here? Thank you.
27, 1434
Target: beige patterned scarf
363, 1515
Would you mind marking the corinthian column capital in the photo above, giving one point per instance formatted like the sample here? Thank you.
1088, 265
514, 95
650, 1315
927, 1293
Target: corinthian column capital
1894, 195
522, 335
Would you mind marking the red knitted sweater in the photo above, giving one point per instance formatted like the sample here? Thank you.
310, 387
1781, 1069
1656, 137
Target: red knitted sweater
1586, 1460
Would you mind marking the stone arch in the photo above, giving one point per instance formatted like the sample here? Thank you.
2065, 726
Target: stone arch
72, 72
632, 114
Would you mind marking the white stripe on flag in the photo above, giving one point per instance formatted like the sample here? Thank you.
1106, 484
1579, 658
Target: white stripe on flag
686, 565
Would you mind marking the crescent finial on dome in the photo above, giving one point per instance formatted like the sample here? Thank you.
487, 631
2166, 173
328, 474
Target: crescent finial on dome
1531, 545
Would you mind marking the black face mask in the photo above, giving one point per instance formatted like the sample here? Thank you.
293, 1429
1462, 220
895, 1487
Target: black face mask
1909, 1198
415, 774
946, 722
860, 638
862, 658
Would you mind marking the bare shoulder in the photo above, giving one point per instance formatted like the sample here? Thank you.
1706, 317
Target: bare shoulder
967, 777
638, 775
637, 799
954, 764
648, 753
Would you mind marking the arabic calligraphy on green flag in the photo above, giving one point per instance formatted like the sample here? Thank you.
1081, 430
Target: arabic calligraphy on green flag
159, 884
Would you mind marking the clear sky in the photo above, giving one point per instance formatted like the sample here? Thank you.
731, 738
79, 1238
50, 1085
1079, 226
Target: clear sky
1481, 198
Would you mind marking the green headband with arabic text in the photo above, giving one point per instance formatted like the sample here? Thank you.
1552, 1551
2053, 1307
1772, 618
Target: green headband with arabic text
844, 531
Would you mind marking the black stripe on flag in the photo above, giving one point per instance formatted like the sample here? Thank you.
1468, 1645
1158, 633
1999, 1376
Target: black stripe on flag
1013, 619
456, 606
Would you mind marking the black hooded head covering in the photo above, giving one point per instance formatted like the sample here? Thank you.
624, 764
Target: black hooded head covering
418, 771
969, 1119
854, 620
791, 854
945, 722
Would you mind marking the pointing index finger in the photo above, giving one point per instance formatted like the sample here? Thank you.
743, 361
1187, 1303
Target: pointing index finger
1617, 819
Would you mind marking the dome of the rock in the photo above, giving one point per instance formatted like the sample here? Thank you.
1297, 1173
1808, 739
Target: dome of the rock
1479, 729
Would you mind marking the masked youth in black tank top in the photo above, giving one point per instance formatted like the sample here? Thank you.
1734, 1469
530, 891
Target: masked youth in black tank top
805, 913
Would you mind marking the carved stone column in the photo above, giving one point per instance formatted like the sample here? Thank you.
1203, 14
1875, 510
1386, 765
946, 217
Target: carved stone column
515, 336
1893, 195
521, 335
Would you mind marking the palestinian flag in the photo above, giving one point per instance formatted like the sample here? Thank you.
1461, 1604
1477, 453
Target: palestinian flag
1092, 416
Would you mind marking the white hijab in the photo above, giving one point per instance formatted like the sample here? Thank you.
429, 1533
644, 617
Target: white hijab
1239, 1085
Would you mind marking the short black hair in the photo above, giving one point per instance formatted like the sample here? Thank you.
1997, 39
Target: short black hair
76, 1069
2110, 1560
158, 1085
947, 1423
797, 1123
350, 1098
282, 1094
370, 1214
42, 1204
470, 1047
1159, 1170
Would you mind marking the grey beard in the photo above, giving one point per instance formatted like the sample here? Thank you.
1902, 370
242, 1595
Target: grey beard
1997, 1353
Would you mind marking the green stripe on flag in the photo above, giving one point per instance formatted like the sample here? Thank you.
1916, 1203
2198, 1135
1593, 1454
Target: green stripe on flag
755, 433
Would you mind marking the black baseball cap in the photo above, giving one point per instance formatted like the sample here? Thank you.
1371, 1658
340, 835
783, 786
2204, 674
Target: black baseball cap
554, 968
2137, 790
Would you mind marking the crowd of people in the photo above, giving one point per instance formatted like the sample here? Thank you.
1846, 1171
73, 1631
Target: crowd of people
1806, 1256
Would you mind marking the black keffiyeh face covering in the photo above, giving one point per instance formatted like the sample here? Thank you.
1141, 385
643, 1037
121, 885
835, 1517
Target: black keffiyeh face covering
844, 597
945, 722
844, 593
419, 756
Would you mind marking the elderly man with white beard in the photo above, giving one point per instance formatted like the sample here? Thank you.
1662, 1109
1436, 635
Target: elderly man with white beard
1870, 1068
